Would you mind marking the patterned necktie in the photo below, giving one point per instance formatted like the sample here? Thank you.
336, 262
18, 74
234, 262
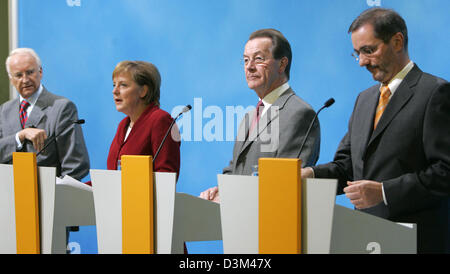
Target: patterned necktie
382, 103
259, 110
23, 112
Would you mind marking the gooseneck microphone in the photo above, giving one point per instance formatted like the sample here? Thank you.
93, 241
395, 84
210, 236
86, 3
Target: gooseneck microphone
328, 103
185, 109
53, 138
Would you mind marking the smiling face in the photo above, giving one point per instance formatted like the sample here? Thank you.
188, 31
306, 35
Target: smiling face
262, 72
25, 74
380, 59
128, 95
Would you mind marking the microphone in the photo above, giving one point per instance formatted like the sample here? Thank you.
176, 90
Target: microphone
184, 110
53, 138
328, 103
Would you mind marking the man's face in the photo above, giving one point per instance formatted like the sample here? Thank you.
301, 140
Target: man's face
374, 54
262, 71
25, 74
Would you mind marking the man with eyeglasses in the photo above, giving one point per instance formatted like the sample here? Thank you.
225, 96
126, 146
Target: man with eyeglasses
394, 161
28, 122
277, 127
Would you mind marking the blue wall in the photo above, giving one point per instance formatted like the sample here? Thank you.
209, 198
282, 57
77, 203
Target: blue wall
197, 46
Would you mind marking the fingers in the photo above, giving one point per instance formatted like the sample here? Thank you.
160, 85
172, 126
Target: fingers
36, 136
353, 193
204, 194
211, 194
307, 172
38, 141
364, 193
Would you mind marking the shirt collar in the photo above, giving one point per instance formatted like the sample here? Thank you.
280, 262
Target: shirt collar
397, 80
33, 98
270, 98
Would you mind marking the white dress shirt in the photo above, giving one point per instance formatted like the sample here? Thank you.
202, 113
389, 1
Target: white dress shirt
32, 100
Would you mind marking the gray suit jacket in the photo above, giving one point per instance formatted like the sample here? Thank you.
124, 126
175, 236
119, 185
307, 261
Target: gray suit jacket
408, 151
279, 134
52, 113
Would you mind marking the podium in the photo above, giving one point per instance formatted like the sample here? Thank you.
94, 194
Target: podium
177, 217
324, 226
34, 210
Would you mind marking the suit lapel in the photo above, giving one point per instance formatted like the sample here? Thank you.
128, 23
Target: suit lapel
401, 96
266, 119
37, 114
365, 120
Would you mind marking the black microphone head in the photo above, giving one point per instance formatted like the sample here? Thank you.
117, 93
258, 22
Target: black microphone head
186, 109
329, 102
80, 122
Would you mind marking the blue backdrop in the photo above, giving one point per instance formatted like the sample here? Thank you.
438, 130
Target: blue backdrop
197, 46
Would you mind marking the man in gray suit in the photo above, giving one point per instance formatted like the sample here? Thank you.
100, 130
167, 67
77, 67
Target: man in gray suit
394, 161
27, 123
277, 127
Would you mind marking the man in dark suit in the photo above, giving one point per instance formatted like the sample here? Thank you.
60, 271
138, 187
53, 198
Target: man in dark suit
394, 161
277, 127
27, 122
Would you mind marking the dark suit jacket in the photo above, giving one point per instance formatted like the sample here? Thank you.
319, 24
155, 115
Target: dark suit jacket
145, 138
53, 114
279, 134
409, 152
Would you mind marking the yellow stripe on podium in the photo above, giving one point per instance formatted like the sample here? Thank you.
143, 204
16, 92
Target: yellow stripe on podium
137, 205
279, 206
26, 203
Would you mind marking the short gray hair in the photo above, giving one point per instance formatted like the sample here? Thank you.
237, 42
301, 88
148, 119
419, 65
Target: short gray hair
22, 51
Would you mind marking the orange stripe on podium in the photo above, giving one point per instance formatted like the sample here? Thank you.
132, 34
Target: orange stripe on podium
137, 205
26, 203
279, 206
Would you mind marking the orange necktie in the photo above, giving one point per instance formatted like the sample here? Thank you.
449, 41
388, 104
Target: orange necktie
382, 103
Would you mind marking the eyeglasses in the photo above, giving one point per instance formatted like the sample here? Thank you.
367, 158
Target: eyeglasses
258, 60
367, 51
19, 75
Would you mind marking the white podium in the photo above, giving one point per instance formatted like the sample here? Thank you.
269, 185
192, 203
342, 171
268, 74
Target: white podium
60, 205
179, 217
326, 227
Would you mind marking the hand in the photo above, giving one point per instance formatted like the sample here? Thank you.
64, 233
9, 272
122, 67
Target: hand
364, 193
36, 135
307, 172
211, 194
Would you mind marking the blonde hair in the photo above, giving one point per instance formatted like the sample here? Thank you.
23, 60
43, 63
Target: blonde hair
144, 74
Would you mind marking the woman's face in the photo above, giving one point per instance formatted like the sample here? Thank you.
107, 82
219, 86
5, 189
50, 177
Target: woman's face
127, 94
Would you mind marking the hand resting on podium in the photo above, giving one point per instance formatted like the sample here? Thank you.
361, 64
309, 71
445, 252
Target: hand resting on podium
211, 194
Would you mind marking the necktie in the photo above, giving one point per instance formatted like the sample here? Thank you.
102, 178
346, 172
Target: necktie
259, 110
382, 103
23, 112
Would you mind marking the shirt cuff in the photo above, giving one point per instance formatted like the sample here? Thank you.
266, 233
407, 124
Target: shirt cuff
384, 195
19, 144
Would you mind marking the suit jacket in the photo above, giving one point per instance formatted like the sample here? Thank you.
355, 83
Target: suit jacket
145, 138
52, 113
408, 152
279, 134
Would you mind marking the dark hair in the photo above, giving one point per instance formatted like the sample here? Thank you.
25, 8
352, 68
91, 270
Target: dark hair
144, 74
386, 23
281, 46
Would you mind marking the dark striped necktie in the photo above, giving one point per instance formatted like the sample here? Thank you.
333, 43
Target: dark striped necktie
23, 112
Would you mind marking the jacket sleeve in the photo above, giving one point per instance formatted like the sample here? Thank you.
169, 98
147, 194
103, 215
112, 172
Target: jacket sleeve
72, 152
429, 185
